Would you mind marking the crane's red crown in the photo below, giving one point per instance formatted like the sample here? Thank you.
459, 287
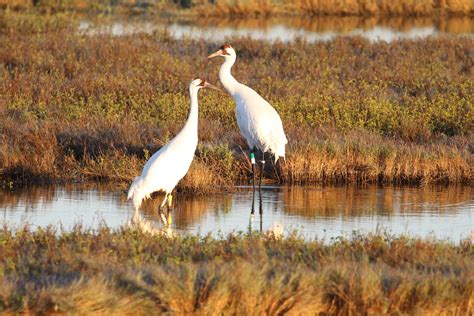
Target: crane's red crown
224, 49
203, 82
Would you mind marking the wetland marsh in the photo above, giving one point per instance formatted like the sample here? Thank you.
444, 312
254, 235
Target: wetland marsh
377, 182
82, 108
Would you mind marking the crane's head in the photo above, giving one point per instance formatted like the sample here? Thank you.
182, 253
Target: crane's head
199, 83
225, 51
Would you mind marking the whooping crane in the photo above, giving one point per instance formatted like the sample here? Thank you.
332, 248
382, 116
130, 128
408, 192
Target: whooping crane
258, 121
171, 163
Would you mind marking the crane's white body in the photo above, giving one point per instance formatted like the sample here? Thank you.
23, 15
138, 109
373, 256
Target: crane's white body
258, 121
171, 163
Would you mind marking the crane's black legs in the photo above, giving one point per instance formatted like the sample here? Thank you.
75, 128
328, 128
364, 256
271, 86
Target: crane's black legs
262, 168
260, 202
252, 210
252, 161
260, 209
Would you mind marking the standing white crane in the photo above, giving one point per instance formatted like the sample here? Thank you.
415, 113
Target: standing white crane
258, 121
171, 163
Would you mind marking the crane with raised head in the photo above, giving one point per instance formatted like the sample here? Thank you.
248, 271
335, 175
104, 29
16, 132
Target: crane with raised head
258, 121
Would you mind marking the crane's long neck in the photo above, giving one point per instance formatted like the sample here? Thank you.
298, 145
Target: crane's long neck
192, 122
227, 80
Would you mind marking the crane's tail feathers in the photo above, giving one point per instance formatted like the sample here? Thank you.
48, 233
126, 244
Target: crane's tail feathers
278, 157
279, 153
136, 192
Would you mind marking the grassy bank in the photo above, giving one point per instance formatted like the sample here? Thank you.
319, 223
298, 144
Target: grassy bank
256, 8
336, 8
130, 272
78, 107
328, 24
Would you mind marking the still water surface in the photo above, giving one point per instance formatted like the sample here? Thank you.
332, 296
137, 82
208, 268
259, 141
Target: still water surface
322, 212
283, 29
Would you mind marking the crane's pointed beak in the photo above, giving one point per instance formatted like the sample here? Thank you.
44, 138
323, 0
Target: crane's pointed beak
218, 53
208, 85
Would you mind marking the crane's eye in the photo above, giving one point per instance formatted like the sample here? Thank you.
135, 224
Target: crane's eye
202, 84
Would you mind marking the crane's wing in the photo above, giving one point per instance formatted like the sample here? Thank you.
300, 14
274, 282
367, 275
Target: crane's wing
259, 122
169, 164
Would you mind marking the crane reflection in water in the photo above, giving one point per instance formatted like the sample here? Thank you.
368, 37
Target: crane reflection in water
446, 211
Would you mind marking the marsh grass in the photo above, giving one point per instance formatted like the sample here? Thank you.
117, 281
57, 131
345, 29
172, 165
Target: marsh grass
255, 7
342, 24
78, 107
127, 271
335, 8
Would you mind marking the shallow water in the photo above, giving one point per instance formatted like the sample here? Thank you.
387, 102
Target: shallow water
322, 212
284, 29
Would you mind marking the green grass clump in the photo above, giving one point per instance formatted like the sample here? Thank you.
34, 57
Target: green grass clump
78, 107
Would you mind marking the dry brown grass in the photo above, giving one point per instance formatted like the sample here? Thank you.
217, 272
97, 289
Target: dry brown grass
370, 7
360, 157
257, 7
237, 8
129, 271
345, 24
341, 8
